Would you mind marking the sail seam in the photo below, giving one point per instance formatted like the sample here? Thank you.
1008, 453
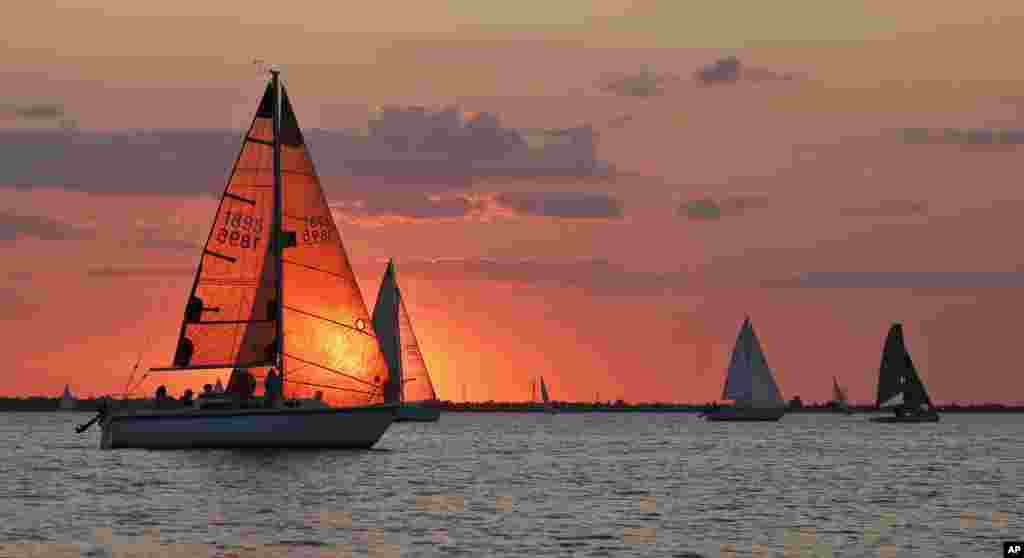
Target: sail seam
292, 262
211, 366
304, 313
239, 198
289, 381
338, 372
221, 256
227, 322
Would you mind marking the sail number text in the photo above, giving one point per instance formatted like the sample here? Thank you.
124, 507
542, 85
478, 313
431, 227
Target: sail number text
242, 231
318, 229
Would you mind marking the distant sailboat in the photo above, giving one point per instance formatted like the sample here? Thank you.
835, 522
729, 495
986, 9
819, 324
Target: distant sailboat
408, 382
749, 383
274, 288
899, 386
549, 407
67, 401
840, 403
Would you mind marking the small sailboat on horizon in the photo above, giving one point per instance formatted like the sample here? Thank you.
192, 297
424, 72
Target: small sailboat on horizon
273, 290
408, 384
549, 406
899, 386
839, 400
67, 401
749, 383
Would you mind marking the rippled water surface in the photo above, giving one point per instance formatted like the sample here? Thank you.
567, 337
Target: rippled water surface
530, 485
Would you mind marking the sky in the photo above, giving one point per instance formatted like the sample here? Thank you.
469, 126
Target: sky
787, 192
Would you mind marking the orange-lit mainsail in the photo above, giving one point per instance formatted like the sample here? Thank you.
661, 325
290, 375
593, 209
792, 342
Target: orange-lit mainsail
231, 319
329, 343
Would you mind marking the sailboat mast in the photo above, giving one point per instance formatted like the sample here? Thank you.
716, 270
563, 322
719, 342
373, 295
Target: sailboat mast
398, 335
278, 234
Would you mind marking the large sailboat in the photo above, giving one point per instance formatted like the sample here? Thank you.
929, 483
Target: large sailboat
274, 290
408, 383
899, 386
840, 404
749, 383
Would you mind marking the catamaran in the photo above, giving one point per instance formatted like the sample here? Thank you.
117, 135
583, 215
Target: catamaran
273, 289
749, 383
839, 401
899, 386
408, 384
67, 401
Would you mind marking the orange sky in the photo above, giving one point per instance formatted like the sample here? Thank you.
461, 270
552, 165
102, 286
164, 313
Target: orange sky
656, 324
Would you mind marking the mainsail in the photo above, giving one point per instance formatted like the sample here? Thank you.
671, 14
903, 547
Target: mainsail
749, 379
230, 318
544, 391
409, 379
234, 317
898, 382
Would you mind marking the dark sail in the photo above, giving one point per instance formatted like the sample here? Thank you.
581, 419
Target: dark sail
385, 325
898, 381
409, 379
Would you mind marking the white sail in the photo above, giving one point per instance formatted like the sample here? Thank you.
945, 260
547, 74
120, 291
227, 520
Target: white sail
750, 380
894, 401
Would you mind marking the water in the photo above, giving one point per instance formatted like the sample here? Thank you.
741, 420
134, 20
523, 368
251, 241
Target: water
529, 485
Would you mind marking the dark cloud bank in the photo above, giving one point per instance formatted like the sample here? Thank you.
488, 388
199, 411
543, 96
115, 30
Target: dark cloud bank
13, 225
731, 70
709, 209
421, 206
440, 149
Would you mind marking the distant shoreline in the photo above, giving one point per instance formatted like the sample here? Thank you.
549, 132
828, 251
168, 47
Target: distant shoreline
44, 404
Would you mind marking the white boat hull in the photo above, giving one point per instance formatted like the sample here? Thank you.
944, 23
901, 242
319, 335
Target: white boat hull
351, 428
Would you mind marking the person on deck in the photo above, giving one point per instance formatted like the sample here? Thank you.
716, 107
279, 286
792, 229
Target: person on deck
241, 385
271, 388
161, 397
186, 398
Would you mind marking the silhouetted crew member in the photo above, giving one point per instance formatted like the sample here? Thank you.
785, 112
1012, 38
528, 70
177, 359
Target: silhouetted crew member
271, 388
241, 385
161, 397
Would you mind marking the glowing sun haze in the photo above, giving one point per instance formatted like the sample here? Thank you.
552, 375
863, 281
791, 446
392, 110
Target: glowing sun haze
789, 192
